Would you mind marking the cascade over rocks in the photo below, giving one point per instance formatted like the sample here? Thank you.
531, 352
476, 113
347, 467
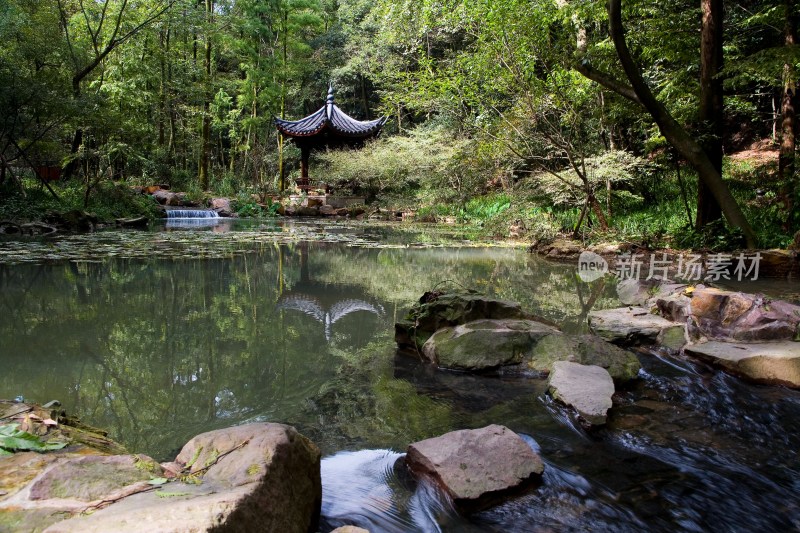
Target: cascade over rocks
476, 467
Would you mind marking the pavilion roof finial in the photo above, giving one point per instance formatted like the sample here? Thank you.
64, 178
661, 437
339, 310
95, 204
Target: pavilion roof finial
330, 93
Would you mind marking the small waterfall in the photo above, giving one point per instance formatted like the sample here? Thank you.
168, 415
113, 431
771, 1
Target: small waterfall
192, 213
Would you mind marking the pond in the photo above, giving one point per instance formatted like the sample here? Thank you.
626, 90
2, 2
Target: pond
158, 336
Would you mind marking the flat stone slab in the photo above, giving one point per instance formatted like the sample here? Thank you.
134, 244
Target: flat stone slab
475, 466
763, 362
586, 388
629, 326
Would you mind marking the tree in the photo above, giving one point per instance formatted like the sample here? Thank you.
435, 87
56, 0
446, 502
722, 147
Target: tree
711, 108
689, 148
92, 31
786, 159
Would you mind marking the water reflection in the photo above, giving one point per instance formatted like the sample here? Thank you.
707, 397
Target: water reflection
325, 303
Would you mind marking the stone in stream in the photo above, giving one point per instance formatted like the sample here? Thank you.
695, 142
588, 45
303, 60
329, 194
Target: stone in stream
723, 315
263, 477
586, 388
763, 362
476, 467
631, 326
483, 345
222, 206
439, 309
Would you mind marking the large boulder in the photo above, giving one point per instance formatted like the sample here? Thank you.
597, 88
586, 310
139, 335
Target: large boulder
763, 362
222, 206
632, 326
170, 198
485, 344
621, 365
586, 388
523, 345
476, 467
719, 314
254, 477
437, 309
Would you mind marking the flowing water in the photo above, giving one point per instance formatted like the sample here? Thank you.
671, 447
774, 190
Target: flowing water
158, 336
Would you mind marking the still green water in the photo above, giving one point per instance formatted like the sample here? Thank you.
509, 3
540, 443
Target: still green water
158, 336
196, 330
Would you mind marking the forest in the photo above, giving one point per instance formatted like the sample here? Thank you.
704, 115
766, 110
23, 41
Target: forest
663, 123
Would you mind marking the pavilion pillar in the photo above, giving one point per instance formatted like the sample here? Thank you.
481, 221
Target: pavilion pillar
305, 151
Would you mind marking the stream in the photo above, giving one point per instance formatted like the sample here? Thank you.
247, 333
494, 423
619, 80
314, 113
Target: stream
160, 335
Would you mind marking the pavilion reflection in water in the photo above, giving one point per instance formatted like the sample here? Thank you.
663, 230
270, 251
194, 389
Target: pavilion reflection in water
324, 302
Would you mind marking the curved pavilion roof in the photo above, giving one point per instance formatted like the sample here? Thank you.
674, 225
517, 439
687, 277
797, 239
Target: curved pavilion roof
331, 123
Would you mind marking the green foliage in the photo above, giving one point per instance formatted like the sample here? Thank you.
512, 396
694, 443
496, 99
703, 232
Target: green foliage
429, 158
108, 202
483, 208
246, 206
564, 187
12, 439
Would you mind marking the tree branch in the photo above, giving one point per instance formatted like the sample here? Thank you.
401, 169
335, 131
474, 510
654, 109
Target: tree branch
607, 81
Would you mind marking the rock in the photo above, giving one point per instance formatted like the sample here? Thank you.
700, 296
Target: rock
622, 365
222, 206
137, 222
632, 291
93, 477
436, 310
7, 227
562, 249
476, 466
342, 212
588, 389
74, 220
485, 344
327, 210
263, 477
724, 315
174, 199
784, 264
674, 307
306, 211
630, 326
763, 362
720, 306
313, 202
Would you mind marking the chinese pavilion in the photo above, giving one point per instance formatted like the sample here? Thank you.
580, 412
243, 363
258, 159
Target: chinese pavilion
329, 127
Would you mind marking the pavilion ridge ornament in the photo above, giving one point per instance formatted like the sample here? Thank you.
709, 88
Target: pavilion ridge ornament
329, 127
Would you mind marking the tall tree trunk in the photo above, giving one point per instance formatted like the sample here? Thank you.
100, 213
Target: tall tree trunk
786, 159
675, 134
711, 105
205, 154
